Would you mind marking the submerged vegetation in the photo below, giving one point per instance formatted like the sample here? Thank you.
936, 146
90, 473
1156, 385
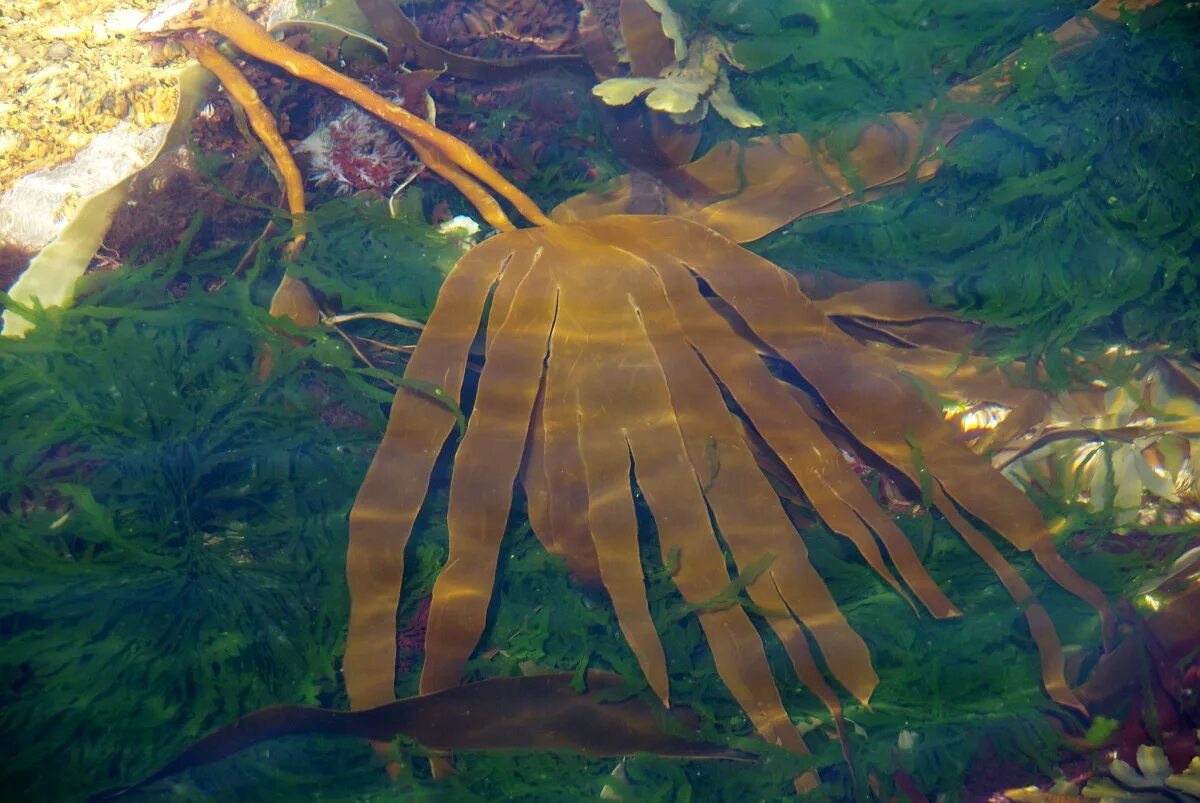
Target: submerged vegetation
198, 572
1067, 213
179, 467
173, 526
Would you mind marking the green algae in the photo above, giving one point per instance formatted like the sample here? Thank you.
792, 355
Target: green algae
174, 529
1068, 212
174, 536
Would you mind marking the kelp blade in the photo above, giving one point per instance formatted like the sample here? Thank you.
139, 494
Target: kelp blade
485, 469
629, 286
838, 495
752, 521
394, 489
746, 191
771, 303
538, 712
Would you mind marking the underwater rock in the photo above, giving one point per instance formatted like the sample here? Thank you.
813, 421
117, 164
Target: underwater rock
87, 107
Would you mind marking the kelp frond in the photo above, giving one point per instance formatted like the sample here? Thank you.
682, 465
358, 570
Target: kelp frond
546, 712
629, 350
604, 355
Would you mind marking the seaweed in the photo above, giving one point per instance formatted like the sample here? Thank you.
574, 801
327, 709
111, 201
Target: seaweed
1068, 214
820, 64
360, 255
173, 540
174, 528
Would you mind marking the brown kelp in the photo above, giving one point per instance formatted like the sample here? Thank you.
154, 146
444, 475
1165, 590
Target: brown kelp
593, 714
627, 346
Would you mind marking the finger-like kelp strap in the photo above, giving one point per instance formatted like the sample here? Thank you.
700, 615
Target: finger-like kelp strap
750, 518
974, 379
826, 478
396, 483
556, 495
527, 250
879, 406
894, 302
594, 396
896, 313
754, 526
1049, 647
669, 484
683, 529
485, 470
612, 519
1065, 575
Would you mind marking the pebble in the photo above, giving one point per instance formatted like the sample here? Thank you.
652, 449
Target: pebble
71, 69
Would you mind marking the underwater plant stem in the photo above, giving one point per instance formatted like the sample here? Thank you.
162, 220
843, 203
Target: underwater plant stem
241, 92
484, 203
292, 299
354, 347
231, 22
